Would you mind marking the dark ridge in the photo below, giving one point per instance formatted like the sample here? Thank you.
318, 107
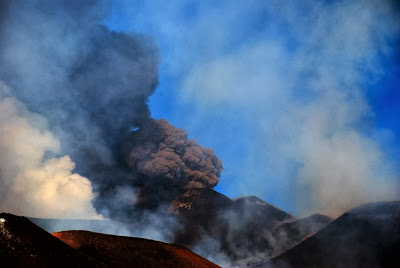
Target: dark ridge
366, 236
23, 244
263, 211
292, 233
239, 229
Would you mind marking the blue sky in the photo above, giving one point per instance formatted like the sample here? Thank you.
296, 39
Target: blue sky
299, 100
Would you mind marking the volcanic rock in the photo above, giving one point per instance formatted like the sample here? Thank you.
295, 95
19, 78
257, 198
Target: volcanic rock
200, 212
239, 228
23, 244
292, 233
201, 201
260, 213
366, 236
119, 251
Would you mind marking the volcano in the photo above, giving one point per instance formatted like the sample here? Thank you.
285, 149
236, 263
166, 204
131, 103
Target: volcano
247, 231
241, 228
119, 251
23, 244
366, 236
292, 233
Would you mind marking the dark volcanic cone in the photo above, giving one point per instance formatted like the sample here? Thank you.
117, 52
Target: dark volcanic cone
292, 233
119, 251
201, 202
240, 228
261, 211
23, 244
200, 210
367, 236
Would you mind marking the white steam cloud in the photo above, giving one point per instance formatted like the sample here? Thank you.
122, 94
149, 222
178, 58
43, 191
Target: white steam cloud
32, 184
309, 104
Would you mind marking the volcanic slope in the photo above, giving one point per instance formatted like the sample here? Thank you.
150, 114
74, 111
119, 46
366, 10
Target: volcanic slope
366, 236
120, 251
292, 233
23, 244
242, 228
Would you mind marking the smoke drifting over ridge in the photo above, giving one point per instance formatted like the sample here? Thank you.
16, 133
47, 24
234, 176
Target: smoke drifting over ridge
293, 80
91, 85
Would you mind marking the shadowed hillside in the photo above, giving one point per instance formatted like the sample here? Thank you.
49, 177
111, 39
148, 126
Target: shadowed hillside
366, 236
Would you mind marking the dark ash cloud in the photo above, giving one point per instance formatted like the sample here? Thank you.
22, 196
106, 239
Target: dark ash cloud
92, 86
168, 163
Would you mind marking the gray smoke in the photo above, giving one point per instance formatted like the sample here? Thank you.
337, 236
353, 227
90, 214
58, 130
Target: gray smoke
293, 80
91, 85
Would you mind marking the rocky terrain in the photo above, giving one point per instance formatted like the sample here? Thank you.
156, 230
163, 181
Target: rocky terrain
23, 244
247, 232
119, 251
242, 228
366, 236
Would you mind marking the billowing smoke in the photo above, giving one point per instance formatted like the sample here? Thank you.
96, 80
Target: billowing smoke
167, 162
30, 183
294, 81
92, 86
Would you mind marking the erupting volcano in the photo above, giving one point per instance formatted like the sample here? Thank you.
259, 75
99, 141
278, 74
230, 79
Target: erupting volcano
283, 92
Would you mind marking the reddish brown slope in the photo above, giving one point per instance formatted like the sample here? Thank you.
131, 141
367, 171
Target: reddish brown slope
119, 251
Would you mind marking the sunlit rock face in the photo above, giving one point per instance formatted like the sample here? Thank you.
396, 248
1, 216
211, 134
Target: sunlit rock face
118, 251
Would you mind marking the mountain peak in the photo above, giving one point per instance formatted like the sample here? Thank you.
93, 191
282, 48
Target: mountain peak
366, 236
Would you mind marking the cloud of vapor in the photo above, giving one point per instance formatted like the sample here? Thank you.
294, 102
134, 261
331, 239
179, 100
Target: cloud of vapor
299, 78
32, 184
91, 85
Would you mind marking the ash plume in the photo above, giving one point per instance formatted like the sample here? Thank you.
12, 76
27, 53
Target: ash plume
90, 83
168, 163
301, 89
91, 86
